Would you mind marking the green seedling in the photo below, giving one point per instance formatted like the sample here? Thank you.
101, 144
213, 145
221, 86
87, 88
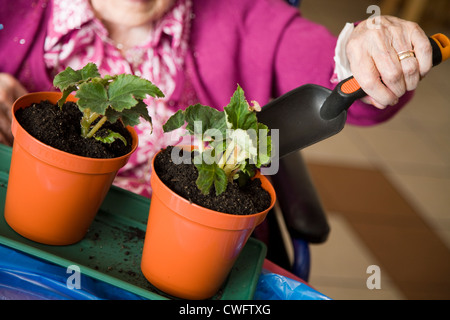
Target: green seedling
108, 98
232, 144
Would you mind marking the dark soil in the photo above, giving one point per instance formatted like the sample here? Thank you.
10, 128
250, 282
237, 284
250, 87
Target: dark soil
60, 129
181, 178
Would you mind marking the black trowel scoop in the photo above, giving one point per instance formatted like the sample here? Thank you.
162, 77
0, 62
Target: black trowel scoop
311, 113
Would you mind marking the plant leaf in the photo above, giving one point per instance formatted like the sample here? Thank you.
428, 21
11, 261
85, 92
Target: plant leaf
248, 170
239, 115
207, 117
130, 117
200, 120
220, 182
110, 137
65, 94
264, 145
209, 175
141, 109
71, 78
175, 121
68, 80
90, 71
113, 115
93, 96
125, 91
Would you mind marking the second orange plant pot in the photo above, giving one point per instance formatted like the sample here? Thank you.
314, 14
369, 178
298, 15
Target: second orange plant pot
53, 196
189, 250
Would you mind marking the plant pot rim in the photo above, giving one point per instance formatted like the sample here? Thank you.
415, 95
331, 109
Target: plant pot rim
56, 157
212, 218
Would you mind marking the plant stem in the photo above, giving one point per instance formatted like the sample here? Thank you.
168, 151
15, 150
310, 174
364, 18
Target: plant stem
228, 168
85, 122
88, 118
96, 127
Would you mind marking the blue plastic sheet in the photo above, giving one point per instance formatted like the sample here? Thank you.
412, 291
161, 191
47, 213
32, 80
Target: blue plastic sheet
272, 286
24, 277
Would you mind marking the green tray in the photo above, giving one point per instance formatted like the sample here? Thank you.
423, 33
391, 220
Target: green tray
111, 250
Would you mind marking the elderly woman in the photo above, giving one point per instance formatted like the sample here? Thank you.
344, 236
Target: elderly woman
197, 51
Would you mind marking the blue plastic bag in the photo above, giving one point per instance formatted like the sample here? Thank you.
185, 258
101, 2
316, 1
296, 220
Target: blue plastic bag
272, 286
23, 277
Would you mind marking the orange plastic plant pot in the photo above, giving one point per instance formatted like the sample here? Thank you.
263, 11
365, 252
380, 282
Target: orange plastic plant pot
189, 250
53, 196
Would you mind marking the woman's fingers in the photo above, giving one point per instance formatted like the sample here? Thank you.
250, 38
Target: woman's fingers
422, 49
366, 71
6, 136
10, 90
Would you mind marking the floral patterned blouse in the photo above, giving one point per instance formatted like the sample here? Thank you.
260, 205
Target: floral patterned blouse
75, 37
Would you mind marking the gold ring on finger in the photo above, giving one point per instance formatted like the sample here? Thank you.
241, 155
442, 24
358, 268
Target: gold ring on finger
405, 54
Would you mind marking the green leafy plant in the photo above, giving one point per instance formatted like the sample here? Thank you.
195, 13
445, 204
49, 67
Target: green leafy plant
108, 98
232, 144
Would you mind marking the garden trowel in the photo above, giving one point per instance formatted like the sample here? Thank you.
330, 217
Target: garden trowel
311, 113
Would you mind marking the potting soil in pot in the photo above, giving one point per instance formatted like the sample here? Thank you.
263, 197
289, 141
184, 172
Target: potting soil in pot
181, 178
61, 129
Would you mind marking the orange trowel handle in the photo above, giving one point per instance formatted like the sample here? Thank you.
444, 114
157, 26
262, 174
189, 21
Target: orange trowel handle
441, 48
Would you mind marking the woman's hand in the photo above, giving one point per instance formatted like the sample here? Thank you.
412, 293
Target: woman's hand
374, 60
10, 90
